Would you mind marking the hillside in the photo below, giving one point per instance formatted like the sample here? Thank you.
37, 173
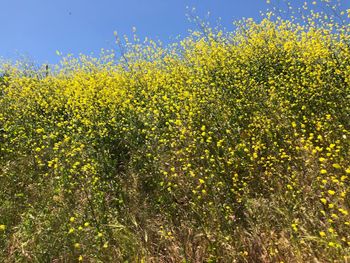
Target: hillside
224, 147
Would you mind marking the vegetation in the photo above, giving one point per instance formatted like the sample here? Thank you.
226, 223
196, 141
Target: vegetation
226, 147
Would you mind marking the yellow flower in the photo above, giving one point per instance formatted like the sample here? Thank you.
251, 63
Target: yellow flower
331, 192
336, 166
343, 211
322, 234
331, 244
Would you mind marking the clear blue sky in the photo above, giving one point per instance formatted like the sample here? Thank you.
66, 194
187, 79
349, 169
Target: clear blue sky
37, 28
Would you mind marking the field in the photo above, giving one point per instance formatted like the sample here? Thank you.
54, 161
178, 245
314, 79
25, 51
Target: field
224, 147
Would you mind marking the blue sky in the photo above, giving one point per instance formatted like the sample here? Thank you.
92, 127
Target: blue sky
37, 28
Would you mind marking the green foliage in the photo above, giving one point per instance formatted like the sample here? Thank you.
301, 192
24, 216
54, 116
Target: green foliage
226, 146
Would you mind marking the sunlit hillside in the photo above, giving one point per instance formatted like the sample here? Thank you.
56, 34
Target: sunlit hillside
224, 147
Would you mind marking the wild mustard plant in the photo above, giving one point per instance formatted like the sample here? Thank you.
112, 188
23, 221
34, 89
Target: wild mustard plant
225, 146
